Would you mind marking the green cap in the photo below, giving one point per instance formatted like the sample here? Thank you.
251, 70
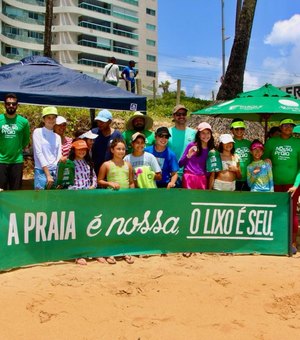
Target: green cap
287, 121
239, 124
49, 110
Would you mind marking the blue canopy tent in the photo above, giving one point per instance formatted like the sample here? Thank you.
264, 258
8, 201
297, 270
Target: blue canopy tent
43, 81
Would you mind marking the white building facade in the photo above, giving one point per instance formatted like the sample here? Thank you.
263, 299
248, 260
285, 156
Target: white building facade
85, 34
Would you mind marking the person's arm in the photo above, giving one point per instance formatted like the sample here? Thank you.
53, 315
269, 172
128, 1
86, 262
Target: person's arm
172, 183
211, 180
102, 178
131, 176
157, 176
189, 151
26, 135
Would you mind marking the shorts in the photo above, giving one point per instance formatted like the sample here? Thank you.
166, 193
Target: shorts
191, 181
40, 179
223, 185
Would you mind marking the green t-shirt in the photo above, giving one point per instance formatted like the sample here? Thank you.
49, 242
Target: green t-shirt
179, 140
14, 136
150, 138
242, 149
285, 156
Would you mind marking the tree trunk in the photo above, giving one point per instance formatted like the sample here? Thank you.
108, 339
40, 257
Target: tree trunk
234, 76
48, 28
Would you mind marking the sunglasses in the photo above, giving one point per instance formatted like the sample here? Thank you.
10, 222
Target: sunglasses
11, 104
163, 136
178, 114
287, 125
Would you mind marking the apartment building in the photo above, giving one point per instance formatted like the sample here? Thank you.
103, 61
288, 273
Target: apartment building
85, 33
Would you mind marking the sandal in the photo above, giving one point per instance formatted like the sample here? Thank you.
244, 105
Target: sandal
187, 254
100, 259
110, 260
81, 261
128, 259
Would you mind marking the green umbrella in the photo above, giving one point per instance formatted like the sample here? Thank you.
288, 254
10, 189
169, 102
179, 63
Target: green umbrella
264, 104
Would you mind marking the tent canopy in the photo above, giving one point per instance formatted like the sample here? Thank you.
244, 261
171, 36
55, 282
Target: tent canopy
43, 81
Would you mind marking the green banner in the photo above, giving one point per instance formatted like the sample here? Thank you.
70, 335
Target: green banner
41, 226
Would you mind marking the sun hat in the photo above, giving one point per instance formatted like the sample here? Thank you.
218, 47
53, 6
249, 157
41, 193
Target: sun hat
226, 138
162, 130
104, 116
79, 144
179, 107
203, 126
89, 134
136, 135
138, 114
287, 121
60, 120
257, 145
238, 124
49, 110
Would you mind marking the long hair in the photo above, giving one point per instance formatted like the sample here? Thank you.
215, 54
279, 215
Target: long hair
210, 143
87, 158
221, 148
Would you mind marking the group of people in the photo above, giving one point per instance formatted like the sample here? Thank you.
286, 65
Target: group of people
175, 157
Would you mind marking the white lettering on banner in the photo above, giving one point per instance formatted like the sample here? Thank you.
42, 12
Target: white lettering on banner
218, 221
57, 226
130, 225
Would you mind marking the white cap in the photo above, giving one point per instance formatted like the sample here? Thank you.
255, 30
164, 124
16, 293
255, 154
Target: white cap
226, 138
89, 134
60, 120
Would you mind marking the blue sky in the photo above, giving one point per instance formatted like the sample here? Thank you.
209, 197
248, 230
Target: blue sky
190, 44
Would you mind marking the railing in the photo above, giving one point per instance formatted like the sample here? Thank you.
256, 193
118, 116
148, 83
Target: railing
125, 34
94, 26
126, 51
125, 16
131, 2
95, 8
84, 42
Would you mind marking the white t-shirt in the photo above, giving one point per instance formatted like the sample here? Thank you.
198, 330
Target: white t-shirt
146, 159
112, 74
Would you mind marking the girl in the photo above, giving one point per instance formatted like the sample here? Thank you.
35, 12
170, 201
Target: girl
224, 180
46, 150
85, 177
194, 159
116, 174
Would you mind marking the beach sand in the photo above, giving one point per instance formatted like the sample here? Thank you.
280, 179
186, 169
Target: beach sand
206, 296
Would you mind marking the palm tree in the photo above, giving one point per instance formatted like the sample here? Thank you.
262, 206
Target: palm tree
48, 28
234, 77
165, 86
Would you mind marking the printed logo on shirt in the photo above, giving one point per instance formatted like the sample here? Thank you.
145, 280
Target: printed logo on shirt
9, 131
283, 152
243, 152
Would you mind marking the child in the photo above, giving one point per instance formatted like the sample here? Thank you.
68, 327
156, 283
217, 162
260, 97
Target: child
116, 174
46, 150
194, 159
259, 172
85, 177
224, 180
145, 165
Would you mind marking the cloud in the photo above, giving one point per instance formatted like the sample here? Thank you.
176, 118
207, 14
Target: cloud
164, 76
285, 32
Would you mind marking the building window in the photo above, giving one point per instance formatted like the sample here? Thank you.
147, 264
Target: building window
151, 57
150, 11
150, 27
151, 74
151, 42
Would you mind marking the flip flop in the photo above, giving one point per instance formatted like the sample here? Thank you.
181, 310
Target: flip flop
187, 254
100, 259
81, 261
128, 259
111, 260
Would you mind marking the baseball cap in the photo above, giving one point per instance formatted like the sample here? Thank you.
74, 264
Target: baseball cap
104, 116
136, 135
226, 138
202, 126
287, 121
89, 134
49, 110
179, 107
238, 124
60, 120
162, 130
79, 144
257, 145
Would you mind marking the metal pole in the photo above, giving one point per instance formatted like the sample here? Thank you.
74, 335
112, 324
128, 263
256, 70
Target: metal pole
223, 39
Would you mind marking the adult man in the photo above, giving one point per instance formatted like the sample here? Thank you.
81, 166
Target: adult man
284, 152
111, 72
101, 147
14, 137
128, 74
138, 122
181, 135
166, 158
242, 149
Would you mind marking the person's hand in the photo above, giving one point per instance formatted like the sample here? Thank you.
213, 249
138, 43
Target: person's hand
292, 190
114, 185
256, 170
63, 159
192, 151
50, 182
171, 185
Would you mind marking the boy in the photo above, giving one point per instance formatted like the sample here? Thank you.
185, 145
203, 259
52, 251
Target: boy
145, 165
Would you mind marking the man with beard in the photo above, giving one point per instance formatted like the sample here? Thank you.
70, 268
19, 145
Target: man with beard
139, 123
14, 137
